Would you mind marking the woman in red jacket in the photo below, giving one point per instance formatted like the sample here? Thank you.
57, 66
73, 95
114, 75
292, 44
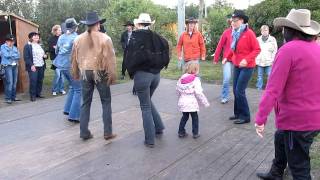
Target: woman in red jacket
192, 43
244, 49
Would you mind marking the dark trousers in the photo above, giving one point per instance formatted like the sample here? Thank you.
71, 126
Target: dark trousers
293, 147
195, 122
36, 81
145, 84
123, 67
240, 82
88, 83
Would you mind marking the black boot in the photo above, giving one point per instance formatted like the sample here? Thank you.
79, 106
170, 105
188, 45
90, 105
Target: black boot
273, 174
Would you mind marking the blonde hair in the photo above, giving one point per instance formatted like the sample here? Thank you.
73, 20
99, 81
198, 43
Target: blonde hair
264, 27
55, 29
192, 68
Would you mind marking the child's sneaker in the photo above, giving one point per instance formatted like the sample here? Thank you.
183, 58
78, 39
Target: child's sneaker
182, 135
195, 136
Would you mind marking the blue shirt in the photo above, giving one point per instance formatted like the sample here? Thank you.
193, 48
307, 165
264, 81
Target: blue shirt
63, 51
9, 55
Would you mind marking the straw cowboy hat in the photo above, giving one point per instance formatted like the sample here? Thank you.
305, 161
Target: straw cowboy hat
144, 18
299, 19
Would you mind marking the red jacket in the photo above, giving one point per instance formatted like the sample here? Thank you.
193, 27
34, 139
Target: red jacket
247, 48
225, 43
193, 46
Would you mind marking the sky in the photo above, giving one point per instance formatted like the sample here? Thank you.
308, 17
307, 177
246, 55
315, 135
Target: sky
238, 4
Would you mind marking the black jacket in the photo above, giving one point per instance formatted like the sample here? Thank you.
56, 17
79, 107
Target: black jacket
52, 42
28, 56
138, 56
124, 39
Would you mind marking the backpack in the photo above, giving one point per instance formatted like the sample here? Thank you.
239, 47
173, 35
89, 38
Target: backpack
146, 49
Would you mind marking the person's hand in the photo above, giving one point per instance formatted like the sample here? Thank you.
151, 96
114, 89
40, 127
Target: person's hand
203, 58
54, 47
259, 130
243, 63
33, 68
180, 58
224, 60
45, 56
215, 62
111, 79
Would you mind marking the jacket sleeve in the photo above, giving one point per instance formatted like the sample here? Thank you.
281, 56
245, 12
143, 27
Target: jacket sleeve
220, 45
255, 47
202, 47
123, 40
179, 45
275, 50
51, 44
74, 61
202, 99
5, 52
58, 45
27, 55
276, 84
16, 54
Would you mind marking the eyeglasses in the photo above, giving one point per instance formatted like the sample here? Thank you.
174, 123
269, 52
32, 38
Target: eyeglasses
235, 20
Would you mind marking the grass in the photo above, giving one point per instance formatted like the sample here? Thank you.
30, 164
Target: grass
315, 154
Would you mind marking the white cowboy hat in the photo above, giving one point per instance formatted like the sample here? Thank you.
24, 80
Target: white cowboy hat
143, 18
299, 19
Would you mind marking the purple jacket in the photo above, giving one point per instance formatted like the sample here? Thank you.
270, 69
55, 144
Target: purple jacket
293, 88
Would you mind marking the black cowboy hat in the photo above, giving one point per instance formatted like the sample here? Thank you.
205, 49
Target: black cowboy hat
30, 35
9, 37
191, 20
128, 23
92, 18
240, 14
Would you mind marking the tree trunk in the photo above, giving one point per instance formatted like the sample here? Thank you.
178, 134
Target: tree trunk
201, 9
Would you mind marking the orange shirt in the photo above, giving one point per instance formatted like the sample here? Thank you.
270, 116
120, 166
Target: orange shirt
193, 46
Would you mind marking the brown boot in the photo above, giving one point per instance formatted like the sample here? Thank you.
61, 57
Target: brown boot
110, 136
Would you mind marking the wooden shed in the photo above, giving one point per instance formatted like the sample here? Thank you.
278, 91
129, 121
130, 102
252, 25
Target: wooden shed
20, 28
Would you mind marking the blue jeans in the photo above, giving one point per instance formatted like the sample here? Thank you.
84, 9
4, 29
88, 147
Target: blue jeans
103, 88
58, 81
240, 82
36, 81
72, 105
261, 71
10, 82
145, 84
67, 75
227, 72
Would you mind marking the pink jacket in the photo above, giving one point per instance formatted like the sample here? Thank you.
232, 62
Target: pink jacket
190, 93
293, 88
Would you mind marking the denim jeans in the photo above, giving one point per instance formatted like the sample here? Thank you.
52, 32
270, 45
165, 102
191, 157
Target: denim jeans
72, 104
10, 82
145, 84
227, 72
36, 81
67, 75
58, 81
195, 122
88, 83
293, 147
261, 71
240, 82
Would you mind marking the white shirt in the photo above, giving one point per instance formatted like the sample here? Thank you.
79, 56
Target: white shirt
38, 54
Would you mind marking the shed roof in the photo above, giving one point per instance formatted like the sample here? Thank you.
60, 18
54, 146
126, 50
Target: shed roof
18, 17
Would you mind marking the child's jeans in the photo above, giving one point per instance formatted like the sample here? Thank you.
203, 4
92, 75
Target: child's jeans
195, 122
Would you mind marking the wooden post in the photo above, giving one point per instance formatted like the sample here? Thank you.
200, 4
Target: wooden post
181, 22
201, 8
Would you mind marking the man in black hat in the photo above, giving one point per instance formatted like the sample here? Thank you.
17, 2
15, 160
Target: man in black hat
94, 63
125, 37
9, 59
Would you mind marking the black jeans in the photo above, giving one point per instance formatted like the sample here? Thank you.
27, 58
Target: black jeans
195, 122
88, 85
293, 147
123, 67
36, 81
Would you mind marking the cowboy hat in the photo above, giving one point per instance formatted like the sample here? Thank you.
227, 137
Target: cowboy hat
9, 37
144, 18
240, 14
92, 18
128, 23
71, 24
299, 19
191, 20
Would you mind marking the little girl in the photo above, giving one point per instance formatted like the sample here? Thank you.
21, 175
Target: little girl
190, 94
